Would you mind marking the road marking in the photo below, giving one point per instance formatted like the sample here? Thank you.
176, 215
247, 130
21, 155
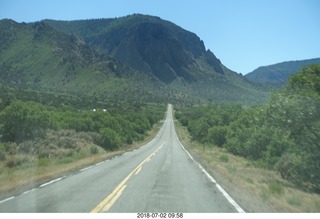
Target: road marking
97, 164
48, 183
239, 209
7, 199
113, 200
84, 169
138, 171
107, 203
225, 194
26, 192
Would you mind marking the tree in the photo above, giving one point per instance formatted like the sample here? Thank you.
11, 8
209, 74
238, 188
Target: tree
23, 121
296, 109
217, 135
110, 140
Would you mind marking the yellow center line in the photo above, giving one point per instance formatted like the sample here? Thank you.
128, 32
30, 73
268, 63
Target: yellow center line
138, 170
107, 203
113, 200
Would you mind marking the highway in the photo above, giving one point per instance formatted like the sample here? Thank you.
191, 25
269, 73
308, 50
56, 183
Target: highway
160, 176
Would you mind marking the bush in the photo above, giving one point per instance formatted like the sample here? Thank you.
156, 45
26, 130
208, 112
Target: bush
287, 165
94, 150
24, 121
11, 148
217, 135
2, 152
15, 161
110, 140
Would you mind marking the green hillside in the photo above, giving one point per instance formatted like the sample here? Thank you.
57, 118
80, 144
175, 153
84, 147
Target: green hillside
134, 58
280, 72
175, 56
36, 56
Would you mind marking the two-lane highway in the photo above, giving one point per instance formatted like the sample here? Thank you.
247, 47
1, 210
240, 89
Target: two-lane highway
161, 176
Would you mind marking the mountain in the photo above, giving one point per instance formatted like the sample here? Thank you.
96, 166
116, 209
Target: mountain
146, 43
37, 56
137, 57
175, 56
280, 72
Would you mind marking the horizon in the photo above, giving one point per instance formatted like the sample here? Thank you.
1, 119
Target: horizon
244, 35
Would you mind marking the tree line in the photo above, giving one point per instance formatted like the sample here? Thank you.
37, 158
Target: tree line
283, 135
21, 121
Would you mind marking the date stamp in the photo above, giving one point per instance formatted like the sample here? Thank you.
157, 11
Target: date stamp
159, 215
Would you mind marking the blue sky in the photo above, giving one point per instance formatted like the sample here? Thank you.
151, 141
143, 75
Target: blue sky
243, 34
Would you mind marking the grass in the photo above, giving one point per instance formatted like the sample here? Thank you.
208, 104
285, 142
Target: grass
294, 201
276, 188
42, 162
256, 188
224, 158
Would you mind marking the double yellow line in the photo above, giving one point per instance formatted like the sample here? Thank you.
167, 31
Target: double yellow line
107, 203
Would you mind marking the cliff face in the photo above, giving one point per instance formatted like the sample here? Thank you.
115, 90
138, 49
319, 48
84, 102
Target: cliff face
148, 44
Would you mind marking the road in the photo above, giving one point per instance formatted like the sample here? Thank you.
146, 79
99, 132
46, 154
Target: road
160, 176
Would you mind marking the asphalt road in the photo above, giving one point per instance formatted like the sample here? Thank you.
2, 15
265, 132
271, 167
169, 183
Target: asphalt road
161, 176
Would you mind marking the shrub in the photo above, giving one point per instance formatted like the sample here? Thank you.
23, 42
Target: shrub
24, 121
94, 150
2, 152
15, 160
217, 135
110, 140
11, 148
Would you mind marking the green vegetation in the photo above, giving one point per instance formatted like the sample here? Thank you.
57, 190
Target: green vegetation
282, 135
45, 134
85, 58
31, 130
278, 74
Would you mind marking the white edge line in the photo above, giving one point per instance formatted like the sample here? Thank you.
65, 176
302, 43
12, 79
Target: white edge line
97, 164
48, 183
84, 169
26, 192
239, 209
7, 199
225, 194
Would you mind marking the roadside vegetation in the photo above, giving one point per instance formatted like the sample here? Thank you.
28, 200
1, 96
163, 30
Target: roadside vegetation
42, 140
282, 136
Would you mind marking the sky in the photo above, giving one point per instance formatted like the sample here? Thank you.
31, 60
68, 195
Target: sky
243, 34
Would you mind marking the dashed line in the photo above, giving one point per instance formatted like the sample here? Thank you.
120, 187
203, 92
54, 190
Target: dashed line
26, 192
84, 169
48, 183
7, 199
97, 164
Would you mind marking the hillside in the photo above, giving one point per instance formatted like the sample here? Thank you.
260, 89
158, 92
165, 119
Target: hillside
175, 56
36, 56
136, 57
146, 43
280, 72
